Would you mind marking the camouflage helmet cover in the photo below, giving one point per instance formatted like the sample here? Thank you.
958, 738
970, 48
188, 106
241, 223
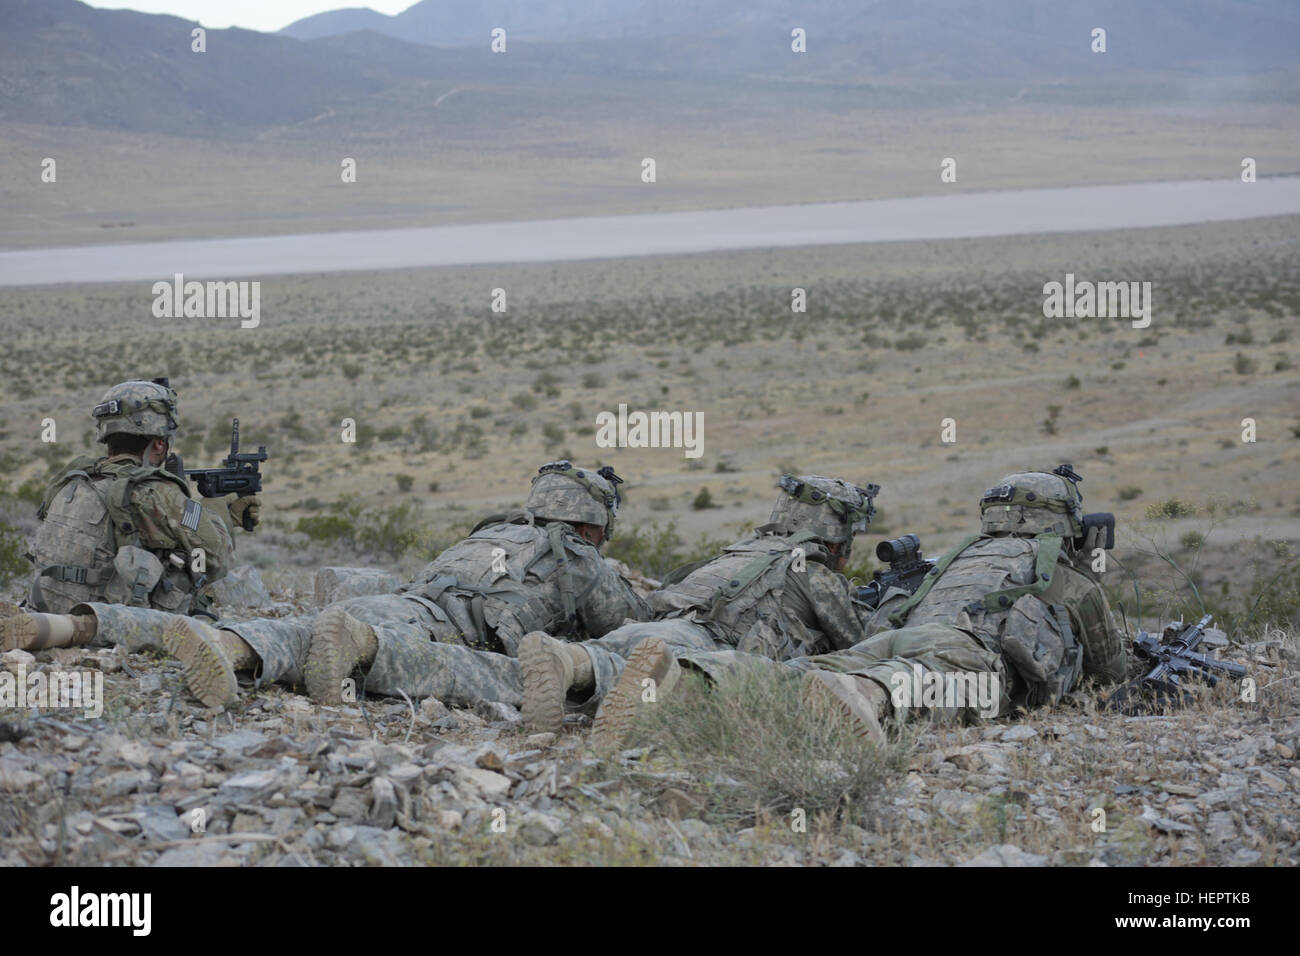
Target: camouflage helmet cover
1034, 502
832, 509
137, 408
563, 492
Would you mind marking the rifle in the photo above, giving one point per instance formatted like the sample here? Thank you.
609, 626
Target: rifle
907, 566
1174, 662
238, 473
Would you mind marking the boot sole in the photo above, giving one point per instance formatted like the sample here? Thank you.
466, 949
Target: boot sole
207, 670
825, 691
332, 657
543, 707
618, 711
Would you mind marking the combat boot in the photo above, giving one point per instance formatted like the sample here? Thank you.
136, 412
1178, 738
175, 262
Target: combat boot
21, 631
856, 700
551, 669
650, 660
339, 645
208, 672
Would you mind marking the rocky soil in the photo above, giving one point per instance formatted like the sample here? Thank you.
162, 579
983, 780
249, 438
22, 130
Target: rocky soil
280, 781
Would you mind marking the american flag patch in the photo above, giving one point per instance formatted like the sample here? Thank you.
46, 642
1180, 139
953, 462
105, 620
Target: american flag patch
190, 517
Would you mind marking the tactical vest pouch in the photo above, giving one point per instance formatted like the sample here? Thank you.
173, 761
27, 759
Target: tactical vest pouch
136, 573
1039, 644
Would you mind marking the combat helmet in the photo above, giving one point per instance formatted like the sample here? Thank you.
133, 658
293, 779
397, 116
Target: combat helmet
831, 509
1034, 502
563, 492
137, 408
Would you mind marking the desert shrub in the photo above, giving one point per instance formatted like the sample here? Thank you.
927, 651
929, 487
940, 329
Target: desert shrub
12, 563
553, 434
703, 500
1129, 492
752, 747
1169, 509
404, 482
656, 551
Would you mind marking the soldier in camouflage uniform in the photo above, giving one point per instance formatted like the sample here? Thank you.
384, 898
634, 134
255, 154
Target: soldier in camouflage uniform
1018, 603
115, 550
777, 593
453, 632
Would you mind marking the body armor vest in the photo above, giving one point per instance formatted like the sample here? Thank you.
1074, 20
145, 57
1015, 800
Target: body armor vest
737, 595
511, 577
86, 519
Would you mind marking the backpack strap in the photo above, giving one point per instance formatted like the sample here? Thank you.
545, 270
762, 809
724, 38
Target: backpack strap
505, 517
682, 572
899, 615
751, 572
1049, 549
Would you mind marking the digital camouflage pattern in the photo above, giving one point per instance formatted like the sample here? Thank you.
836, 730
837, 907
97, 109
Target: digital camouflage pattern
564, 492
420, 653
829, 509
795, 606
444, 634
95, 507
512, 577
1032, 502
136, 408
1028, 644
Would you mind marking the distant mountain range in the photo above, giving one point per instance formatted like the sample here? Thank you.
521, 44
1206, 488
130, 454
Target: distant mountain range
951, 37
63, 63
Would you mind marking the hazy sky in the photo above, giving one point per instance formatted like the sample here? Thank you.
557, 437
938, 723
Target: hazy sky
265, 15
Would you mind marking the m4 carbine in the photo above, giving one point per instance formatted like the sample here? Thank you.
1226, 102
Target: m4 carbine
907, 566
1176, 661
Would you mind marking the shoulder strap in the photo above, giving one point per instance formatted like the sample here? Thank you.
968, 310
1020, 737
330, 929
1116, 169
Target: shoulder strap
505, 517
682, 572
121, 510
1049, 549
83, 466
897, 617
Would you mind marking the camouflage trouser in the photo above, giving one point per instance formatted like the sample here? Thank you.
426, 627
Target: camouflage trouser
420, 654
609, 653
134, 628
917, 665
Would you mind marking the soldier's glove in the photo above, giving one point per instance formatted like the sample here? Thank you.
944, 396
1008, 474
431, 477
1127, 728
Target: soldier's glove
246, 511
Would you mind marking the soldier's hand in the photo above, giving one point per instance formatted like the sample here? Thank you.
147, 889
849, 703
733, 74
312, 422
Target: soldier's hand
246, 511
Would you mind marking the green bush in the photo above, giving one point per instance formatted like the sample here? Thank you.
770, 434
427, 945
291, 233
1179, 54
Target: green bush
404, 482
752, 747
12, 563
1172, 508
1129, 492
703, 500
656, 551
